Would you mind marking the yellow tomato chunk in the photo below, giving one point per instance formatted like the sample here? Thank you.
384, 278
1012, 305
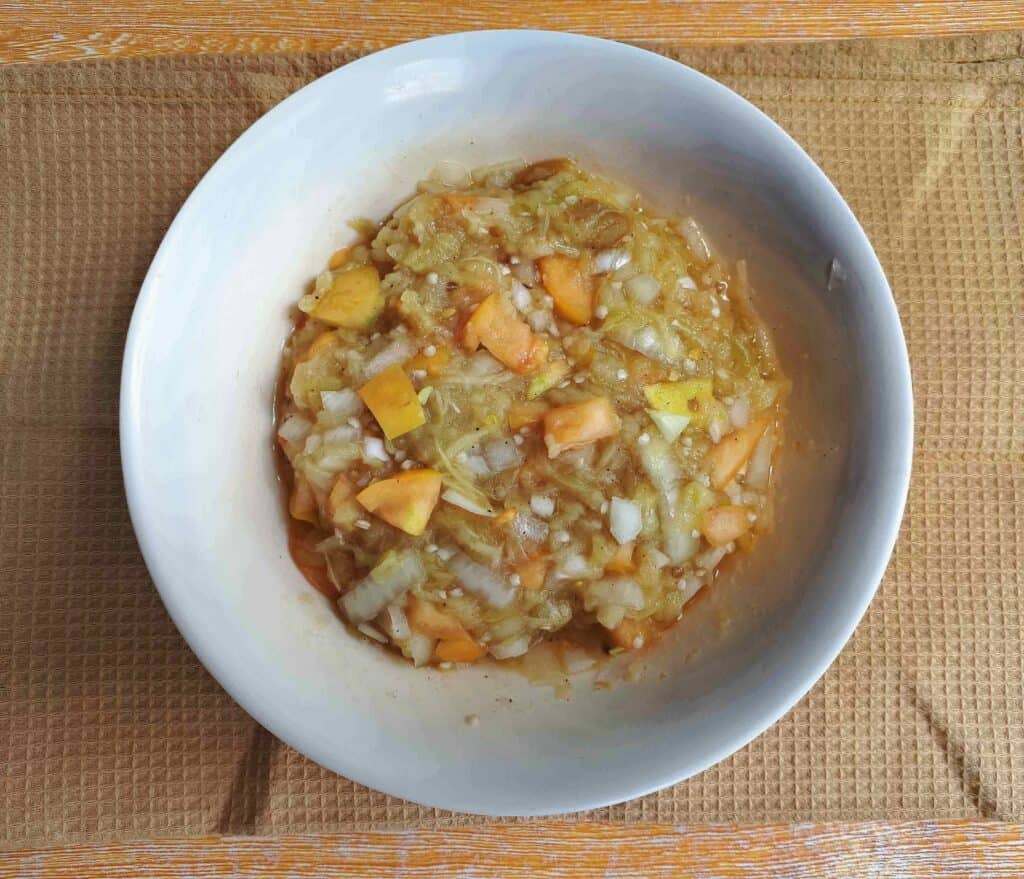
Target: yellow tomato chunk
405, 500
353, 300
392, 399
495, 325
693, 398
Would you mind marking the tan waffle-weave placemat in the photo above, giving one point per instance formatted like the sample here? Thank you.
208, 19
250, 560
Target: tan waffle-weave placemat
109, 727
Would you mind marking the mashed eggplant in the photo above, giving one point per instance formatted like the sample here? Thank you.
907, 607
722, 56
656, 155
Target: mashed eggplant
525, 407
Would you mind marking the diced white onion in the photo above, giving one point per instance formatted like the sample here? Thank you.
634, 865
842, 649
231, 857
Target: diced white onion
610, 260
643, 288
739, 412
619, 591
521, 298
373, 449
476, 464
610, 615
680, 544
343, 403
670, 424
458, 499
335, 461
371, 632
419, 648
658, 559
689, 586
529, 528
709, 559
481, 581
695, 240
294, 429
318, 476
481, 364
337, 435
542, 505
451, 173
503, 454
398, 572
313, 442
572, 567
625, 519
396, 622
759, 467
511, 647
397, 352
660, 465
492, 207
734, 493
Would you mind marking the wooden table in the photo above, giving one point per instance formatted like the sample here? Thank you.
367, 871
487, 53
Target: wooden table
50, 30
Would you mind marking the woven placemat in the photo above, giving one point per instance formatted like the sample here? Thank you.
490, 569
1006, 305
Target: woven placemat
109, 727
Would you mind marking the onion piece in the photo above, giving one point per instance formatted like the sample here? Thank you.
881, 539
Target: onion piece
759, 467
521, 298
542, 505
338, 435
643, 288
458, 499
396, 623
343, 403
739, 412
481, 581
617, 591
670, 424
449, 173
397, 352
610, 260
529, 528
373, 633
294, 429
689, 586
610, 615
625, 519
511, 647
694, 237
373, 449
419, 648
502, 454
395, 574
481, 364
709, 559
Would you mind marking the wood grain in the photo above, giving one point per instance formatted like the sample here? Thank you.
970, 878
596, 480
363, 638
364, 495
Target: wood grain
56, 30
938, 850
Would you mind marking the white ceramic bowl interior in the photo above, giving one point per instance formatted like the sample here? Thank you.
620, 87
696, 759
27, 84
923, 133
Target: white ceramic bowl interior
196, 421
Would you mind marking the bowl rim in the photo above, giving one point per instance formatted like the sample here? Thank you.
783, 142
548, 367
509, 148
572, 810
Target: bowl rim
798, 680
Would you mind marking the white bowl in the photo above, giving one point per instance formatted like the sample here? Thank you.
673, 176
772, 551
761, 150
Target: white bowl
196, 423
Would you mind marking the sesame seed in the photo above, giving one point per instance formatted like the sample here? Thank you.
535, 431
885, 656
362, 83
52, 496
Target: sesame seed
419, 374
362, 523
444, 665
505, 270
523, 431
431, 547
515, 579
444, 553
514, 260
751, 517
456, 592
604, 507
695, 534
374, 337
644, 439
472, 720
518, 440
561, 537
432, 277
687, 441
579, 379
430, 350
548, 301
638, 642
408, 464
689, 364
601, 312
442, 595
564, 384
355, 423
622, 375
716, 312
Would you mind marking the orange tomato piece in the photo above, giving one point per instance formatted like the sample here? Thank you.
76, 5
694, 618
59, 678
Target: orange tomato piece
723, 525
525, 413
569, 286
532, 572
458, 651
578, 424
404, 500
632, 634
727, 458
433, 365
496, 325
